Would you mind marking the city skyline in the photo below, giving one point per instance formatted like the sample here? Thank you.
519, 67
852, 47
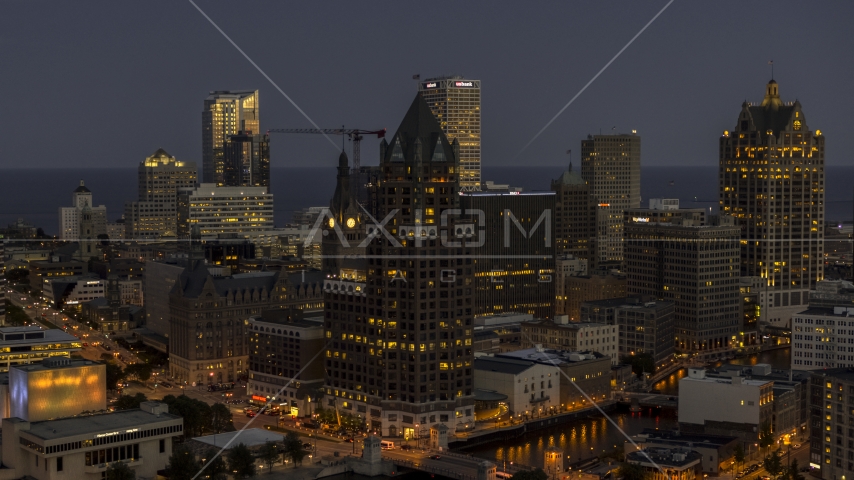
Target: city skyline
645, 89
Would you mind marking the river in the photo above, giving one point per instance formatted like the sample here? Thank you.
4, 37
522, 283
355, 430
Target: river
778, 359
586, 437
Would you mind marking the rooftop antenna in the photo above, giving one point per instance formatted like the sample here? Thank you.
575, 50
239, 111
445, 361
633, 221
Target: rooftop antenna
771, 62
569, 152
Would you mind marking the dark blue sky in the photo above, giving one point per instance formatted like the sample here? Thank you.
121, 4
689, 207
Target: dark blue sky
105, 83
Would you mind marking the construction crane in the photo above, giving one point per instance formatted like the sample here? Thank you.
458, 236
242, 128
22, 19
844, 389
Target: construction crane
354, 134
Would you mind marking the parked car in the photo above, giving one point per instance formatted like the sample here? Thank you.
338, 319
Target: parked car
434, 457
307, 446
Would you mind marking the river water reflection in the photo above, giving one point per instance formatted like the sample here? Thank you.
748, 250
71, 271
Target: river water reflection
586, 437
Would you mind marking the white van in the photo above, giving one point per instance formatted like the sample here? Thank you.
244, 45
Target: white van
386, 445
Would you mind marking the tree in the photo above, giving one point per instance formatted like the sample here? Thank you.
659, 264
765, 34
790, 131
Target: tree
217, 470
269, 454
293, 448
794, 473
120, 471
221, 417
642, 362
537, 474
241, 461
182, 464
738, 454
631, 471
773, 463
766, 437
127, 402
114, 375
196, 414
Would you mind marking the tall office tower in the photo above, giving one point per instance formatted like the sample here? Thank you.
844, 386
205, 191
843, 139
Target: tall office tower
160, 177
455, 101
695, 267
226, 112
828, 389
575, 217
221, 210
69, 217
246, 160
514, 269
772, 182
401, 342
610, 164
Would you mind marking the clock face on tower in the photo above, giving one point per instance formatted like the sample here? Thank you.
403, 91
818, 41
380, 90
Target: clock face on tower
351, 222
331, 223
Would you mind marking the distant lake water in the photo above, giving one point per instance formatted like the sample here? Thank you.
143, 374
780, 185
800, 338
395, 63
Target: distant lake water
36, 194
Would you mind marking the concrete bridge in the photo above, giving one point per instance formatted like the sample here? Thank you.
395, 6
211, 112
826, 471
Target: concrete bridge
648, 400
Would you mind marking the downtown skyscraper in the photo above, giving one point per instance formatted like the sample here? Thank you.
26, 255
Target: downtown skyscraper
772, 181
225, 113
610, 164
400, 341
455, 101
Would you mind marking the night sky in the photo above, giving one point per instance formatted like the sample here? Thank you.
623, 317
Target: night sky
105, 83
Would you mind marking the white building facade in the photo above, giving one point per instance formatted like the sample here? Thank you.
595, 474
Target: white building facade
69, 217
529, 386
823, 337
83, 447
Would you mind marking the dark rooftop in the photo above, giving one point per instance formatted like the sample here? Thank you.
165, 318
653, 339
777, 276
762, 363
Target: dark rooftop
502, 365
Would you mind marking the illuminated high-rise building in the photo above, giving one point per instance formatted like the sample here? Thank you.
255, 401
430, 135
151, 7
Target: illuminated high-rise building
400, 341
225, 113
772, 182
610, 164
455, 101
160, 176
575, 217
247, 160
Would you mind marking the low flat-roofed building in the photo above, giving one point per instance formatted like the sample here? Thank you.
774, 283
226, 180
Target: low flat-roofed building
26, 345
677, 463
587, 371
531, 388
53, 267
716, 450
57, 387
563, 335
83, 447
741, 406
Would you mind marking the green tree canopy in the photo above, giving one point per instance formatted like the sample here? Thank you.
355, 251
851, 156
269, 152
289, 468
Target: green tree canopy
217, 470
773, 463
269, 454
632, 471
127, 402
221, 418
120, 471
293, 448
182, 464
114, 375
642, 362
537, 474
241, 461
794, 473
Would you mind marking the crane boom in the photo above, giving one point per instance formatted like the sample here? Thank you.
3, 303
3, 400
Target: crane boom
355, 135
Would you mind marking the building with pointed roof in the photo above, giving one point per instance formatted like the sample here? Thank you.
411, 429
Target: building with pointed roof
400, 351
344, 225
772, 181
